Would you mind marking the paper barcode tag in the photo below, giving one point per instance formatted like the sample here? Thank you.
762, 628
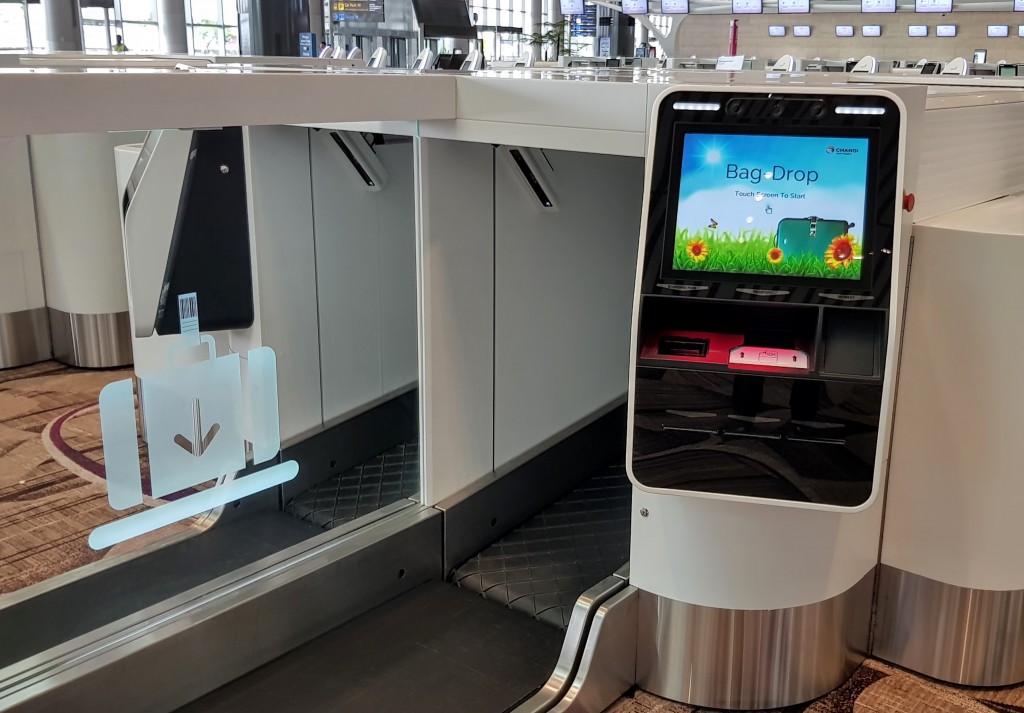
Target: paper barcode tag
188, 313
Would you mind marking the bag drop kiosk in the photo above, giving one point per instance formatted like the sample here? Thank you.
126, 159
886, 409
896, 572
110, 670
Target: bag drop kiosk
766, 326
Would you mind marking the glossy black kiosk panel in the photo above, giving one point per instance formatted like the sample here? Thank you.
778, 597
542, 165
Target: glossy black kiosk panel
765, 295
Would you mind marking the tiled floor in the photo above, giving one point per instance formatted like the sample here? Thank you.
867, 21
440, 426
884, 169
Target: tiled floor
52, 492
875, 687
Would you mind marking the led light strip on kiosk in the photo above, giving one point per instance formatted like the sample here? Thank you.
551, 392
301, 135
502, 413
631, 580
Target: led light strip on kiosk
765, 334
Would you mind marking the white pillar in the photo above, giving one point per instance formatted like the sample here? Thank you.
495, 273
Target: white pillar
82, 253
63, 25
170, 15
555, 18
536, 17
643, 34
24, 333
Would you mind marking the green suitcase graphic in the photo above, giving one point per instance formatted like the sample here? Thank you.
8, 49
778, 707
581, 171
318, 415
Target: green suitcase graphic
798, 236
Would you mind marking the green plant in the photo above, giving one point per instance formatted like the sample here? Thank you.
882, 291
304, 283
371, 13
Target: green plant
747, 252
554, 35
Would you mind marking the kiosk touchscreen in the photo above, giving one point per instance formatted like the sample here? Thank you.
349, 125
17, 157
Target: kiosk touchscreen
762, 311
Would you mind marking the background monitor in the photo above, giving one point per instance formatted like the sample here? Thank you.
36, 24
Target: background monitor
945, 30
780, 30
744, 199
801, 30
871, 30
878, 5
571, 7
917, 31
746, 7
1020, 30
933, 5
675, 7
794, 6
930, 68
844, 30
634, 7
980, 56
1018, 5
998, 30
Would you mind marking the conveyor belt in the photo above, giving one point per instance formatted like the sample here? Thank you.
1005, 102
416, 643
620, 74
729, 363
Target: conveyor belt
382, 480
450, 648
542, 568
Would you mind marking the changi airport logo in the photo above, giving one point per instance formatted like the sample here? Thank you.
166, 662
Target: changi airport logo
840, 150
204, 425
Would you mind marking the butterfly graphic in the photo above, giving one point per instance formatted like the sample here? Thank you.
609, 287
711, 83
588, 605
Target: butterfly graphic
713, 224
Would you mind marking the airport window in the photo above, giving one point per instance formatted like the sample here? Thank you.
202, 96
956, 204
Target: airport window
137, 24
212, 27
14, 26
97, 26
502, 25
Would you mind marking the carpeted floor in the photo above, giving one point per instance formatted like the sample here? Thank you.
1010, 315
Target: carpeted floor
52, 492
875, 687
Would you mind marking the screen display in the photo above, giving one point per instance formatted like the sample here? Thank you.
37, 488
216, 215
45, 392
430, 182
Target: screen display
771, 205
571, 7
675, 7
780, 30
634, 7
945, 30
998, 30
746, 7
933, 5
918, 30
871, 30
1020, 30
786, 6
844, 30
1018, 5
357, 10
878, 5
801, 30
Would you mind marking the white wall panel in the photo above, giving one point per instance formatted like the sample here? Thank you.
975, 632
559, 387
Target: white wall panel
456, 223
564, 295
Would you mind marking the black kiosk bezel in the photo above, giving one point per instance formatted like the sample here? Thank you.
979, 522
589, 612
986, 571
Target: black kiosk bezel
706, 422
791, 115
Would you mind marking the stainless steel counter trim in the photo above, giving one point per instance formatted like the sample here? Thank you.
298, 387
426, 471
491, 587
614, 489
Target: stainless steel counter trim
608, 666
576, 636
24, 338
91, 341
743, 660
971, 637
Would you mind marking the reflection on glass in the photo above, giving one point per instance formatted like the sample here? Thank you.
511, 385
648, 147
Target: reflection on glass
337, 245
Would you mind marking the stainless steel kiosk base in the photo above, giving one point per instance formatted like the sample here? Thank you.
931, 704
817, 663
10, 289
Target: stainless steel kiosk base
742, 660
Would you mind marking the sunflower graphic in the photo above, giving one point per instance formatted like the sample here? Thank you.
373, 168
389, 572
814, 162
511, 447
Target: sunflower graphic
841, 252
775, 256
697, 250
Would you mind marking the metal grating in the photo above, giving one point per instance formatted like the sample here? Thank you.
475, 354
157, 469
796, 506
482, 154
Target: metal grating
541, 568
385, 479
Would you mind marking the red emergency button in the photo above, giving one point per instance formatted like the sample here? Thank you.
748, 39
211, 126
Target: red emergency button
908, 202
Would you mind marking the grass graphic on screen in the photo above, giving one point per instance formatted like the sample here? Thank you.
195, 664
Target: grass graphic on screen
754, 252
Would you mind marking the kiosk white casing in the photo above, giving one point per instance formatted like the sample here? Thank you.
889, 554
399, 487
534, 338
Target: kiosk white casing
749, 602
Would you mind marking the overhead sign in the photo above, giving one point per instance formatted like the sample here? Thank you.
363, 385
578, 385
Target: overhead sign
357, 10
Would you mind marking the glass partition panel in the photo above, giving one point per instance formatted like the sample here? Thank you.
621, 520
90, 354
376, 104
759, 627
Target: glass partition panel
249, 382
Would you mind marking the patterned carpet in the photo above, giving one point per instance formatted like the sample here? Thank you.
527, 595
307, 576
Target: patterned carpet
875, 687
52, 492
